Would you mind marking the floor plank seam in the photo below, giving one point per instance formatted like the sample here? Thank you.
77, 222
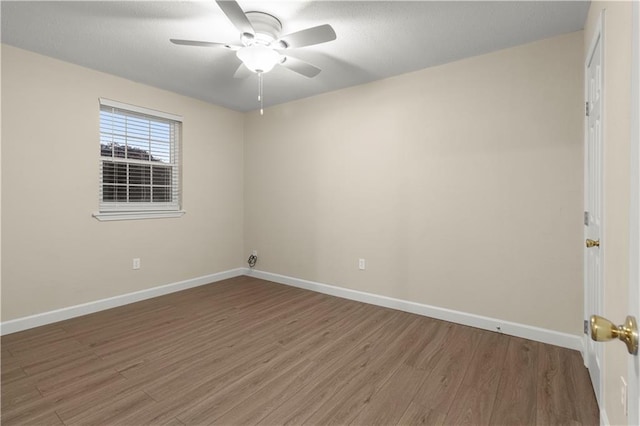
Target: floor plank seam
495, 394
334, 362
59, 418
39, 391
466, 371
537, 384
375, 391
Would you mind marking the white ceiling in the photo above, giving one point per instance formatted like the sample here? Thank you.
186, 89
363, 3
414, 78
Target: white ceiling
375, 40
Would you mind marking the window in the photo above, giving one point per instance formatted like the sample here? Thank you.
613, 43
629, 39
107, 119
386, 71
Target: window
139, 162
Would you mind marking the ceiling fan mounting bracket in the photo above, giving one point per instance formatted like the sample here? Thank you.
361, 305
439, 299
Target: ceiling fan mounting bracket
267, 27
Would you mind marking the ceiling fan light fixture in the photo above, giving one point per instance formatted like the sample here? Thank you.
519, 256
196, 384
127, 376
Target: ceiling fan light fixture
258, 58
260, 37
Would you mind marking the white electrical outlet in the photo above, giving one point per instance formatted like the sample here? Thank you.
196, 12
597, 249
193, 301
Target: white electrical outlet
136, 263
361, 264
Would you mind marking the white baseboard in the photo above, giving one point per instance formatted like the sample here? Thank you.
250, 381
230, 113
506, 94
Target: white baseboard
506, 327
37, 320
513, 329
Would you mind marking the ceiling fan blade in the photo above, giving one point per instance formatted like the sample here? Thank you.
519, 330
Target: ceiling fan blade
308, 37
301, 67
203, 44
236, 15
242, 72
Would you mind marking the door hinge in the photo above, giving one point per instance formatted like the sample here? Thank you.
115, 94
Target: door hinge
586, 327
586, 109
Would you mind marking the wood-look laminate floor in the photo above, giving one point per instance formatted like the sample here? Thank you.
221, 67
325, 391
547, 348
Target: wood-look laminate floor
247, 351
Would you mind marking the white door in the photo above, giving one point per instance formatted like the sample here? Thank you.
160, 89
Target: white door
633, 375
593, 204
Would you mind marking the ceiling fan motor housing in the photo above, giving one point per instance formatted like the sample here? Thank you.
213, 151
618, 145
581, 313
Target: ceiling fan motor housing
267, 27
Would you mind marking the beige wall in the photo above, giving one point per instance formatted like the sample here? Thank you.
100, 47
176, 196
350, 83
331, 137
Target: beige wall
55, 254
461, 186
617, 140
0, 181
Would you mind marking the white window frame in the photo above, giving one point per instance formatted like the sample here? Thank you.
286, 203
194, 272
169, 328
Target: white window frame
113, 210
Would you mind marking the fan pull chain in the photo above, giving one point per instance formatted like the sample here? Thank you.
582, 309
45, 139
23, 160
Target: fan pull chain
260, 85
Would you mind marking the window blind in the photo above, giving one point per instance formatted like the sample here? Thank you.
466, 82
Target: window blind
139, 159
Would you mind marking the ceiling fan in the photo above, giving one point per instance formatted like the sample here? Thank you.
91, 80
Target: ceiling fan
262, 43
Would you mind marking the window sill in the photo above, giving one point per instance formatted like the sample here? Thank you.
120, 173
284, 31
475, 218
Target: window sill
110, 216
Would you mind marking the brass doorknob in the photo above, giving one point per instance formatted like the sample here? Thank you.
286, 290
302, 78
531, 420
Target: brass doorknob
592, 243
603, 330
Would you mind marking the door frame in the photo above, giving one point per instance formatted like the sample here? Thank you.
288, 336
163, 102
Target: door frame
597, 39
633, 370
